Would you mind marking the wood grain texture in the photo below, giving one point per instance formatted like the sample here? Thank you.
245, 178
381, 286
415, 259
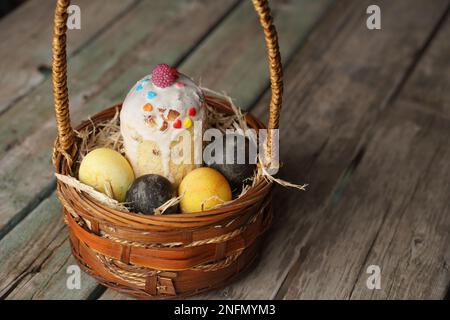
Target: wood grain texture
430, 85
389, 208
25, 52
16, 261
37, 251
411, 142
232, 59
335, 88
372, 147
42, 275
36, 257
404, 210
31, 133
114, 295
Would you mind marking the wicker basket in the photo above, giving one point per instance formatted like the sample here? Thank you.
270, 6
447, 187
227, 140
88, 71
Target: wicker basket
166, 256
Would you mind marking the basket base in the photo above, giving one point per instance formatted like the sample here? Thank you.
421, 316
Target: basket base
248, 263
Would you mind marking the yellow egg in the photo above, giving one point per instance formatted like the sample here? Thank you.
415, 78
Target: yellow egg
202, 189
107, 171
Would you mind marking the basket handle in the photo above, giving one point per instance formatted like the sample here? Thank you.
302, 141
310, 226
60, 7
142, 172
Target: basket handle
66, 135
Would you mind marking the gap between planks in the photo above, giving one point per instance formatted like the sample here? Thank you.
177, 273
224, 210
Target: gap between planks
373, 86
367, 139
435, 49
24, 74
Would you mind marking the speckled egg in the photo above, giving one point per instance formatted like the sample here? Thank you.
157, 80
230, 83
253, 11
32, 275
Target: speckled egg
148, 193
203, 189
107, 171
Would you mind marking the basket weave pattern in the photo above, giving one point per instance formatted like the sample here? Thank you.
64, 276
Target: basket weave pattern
164, 256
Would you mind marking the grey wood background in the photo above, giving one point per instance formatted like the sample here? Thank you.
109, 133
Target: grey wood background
366, 123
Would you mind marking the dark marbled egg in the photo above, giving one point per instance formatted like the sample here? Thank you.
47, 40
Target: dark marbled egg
148, 193
236, 173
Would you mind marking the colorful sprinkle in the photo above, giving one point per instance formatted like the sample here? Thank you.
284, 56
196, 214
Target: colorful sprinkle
188, 123
151, 95
180, 84
145, 81
192, 112
148, 107
139, 88
177, 124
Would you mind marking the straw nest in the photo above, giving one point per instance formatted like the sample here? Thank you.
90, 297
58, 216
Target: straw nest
107, 134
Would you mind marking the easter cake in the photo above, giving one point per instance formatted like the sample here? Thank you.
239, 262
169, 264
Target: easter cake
156, 115
162, 112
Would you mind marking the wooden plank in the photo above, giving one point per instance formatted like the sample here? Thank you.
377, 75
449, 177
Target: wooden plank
36, 257
36, 252
411, 244
232, 59
89, 72
48, 280
29, 31
7, 6
114, 295
394, 207
17, 248
431, 83
404, 210
335, 88
394, 214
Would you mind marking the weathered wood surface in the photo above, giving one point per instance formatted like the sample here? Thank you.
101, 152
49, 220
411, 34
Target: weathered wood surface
336, 87
28, 135
25, 49
412, 143
365, 123
35, 253
231, 59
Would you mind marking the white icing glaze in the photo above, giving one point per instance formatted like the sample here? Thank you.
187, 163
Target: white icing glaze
174, 100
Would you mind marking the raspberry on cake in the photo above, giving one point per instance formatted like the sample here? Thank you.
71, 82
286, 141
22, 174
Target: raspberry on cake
164, 76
